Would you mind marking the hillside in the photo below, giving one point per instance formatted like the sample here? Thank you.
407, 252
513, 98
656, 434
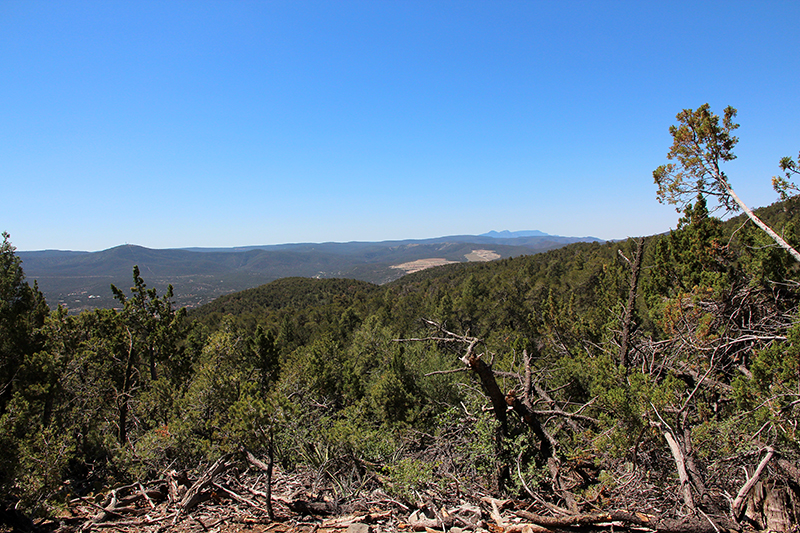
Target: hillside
81, 280
633, 385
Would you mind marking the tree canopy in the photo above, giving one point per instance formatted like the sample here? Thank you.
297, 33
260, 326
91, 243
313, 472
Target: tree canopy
700, 145
655, 375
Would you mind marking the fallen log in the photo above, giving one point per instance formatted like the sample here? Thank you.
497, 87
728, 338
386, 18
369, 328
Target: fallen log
693, 524
305, 507
621, 519
736, 507
420, 522
345, 521
177, 484
148, 495
241, 499
527, 528
133, 523
587, 519
194, 495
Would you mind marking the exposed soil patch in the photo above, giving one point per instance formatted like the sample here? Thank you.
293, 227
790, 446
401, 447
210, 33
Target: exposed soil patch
422, 264
483, 255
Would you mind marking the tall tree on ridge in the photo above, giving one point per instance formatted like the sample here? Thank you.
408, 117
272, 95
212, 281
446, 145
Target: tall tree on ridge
700, 145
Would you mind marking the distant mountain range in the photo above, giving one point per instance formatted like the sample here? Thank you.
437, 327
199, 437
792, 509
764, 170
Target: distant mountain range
81, 280
505, 234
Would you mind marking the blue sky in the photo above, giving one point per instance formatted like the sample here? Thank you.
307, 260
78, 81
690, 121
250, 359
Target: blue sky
176, 124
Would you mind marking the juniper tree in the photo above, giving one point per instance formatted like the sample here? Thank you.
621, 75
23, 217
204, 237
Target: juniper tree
700, 145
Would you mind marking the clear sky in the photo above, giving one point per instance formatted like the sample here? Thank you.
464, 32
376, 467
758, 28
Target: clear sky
228, 123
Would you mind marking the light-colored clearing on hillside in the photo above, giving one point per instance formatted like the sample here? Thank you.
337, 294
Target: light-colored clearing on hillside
422, 264
482, 255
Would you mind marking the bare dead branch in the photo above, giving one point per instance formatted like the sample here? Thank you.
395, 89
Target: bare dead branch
443, 372
193, 495
736, 506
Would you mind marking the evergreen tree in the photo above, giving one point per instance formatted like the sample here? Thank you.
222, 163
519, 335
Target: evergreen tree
701, 145
22, 311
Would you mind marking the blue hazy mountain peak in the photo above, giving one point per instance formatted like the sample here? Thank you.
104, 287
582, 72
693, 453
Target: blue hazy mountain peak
505, 234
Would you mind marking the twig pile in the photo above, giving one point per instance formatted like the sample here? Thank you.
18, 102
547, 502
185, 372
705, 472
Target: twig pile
231, 495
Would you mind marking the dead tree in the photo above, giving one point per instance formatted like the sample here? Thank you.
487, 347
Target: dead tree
627, 319
124, 397
503, 402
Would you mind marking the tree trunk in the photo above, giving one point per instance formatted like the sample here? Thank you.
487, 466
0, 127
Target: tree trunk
489, 384
776, 516
195, 495
636, 266
680, 464
758, 222
691, 466
270, 467
123, 400
492, 389
153, 372
744, 492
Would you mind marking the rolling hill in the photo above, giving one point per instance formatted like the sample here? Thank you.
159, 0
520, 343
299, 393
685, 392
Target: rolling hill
81, 280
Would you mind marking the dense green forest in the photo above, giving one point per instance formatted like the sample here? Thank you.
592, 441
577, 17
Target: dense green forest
658, 376
643, 374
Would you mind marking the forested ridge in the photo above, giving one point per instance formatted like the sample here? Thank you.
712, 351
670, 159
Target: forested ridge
659, 408
645, 385
80, 280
